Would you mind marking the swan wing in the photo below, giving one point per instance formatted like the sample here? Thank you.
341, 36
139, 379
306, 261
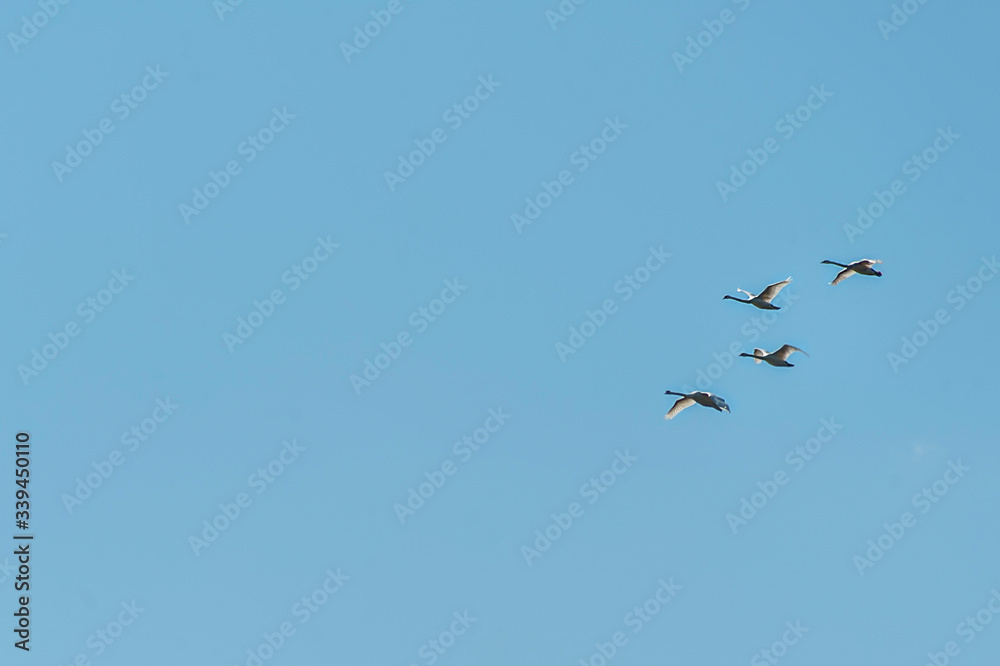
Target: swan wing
786, 351
678, 407
843, 275
773, 289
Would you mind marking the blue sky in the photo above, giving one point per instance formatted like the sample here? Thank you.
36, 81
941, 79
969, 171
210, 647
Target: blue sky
433, 282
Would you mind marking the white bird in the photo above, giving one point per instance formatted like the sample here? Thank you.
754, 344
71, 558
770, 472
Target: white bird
762, 301
700, 397
776, 358
863, 267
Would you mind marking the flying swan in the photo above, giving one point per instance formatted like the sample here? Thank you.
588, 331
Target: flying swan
700, 397
863, 267
776, 358
762, 301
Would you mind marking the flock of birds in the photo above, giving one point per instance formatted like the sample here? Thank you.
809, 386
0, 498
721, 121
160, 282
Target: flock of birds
779, 357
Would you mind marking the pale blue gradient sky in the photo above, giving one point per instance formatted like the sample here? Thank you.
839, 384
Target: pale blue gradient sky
494, 347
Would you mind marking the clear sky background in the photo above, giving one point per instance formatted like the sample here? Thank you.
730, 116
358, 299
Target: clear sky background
494, 347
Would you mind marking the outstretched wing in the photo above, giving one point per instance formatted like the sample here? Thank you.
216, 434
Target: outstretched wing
773, 289
758, 352
870, 262
678, 407
786, 351
744, 291
843, 275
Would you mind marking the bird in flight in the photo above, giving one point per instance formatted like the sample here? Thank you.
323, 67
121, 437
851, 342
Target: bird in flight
763, 300
778, 358
700, 397
863, 267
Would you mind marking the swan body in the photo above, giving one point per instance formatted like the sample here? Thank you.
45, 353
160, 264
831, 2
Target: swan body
700, 397
778, 358
862, 267
762, 300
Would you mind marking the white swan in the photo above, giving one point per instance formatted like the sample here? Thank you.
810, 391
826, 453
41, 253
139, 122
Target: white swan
762, 301
775, 358
700, 397
863, 267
